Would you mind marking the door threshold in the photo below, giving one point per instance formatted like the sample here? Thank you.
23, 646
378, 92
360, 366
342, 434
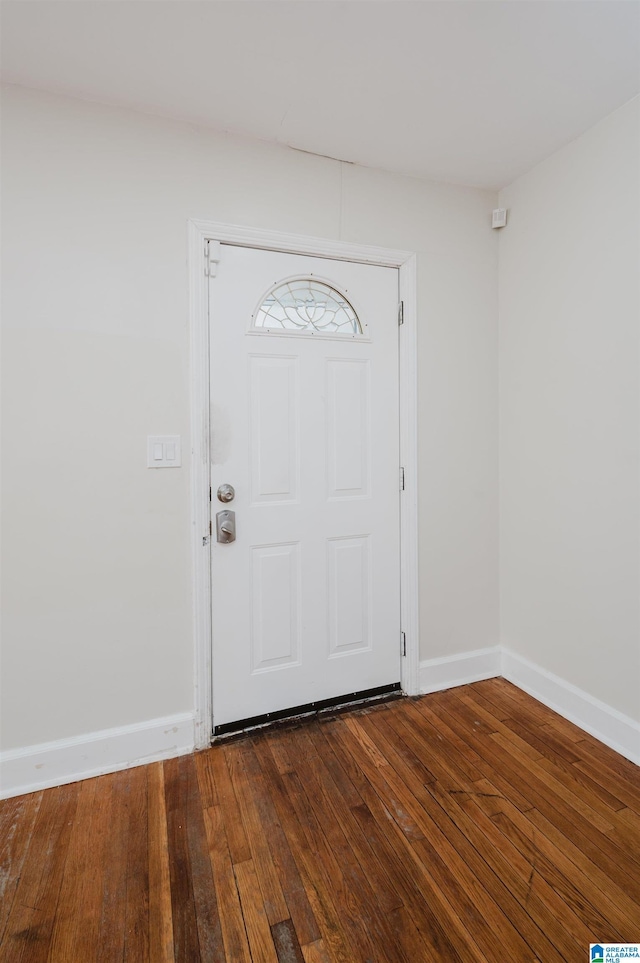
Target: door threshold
351, 700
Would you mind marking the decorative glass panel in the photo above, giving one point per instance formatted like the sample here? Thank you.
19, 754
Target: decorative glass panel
307, 305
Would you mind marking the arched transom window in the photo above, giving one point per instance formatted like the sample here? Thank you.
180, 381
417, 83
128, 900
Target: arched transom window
308, 306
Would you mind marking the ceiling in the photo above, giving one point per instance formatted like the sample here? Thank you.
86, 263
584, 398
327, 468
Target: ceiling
470, 92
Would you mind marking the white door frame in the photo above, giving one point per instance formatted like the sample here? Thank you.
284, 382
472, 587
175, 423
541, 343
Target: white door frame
199, 233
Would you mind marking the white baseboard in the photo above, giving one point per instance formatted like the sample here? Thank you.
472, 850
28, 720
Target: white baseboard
96, 753
452, 670
68, 760
595, 717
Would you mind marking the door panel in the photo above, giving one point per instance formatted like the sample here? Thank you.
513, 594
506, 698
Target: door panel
275, 612
274, 428
349, 582
348, 428
306, 600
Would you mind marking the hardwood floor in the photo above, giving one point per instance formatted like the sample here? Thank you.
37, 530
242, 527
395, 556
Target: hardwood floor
464, 826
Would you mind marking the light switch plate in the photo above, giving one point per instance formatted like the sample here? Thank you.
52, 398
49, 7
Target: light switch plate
163, 451
499, 217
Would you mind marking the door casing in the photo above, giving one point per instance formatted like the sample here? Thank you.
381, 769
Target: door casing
199, 234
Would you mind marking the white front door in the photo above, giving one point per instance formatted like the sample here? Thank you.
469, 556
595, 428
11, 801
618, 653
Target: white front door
305, 428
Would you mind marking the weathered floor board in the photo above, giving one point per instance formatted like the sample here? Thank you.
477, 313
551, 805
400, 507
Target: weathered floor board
465, 826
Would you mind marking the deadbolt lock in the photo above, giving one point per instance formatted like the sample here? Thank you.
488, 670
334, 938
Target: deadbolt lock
226, 526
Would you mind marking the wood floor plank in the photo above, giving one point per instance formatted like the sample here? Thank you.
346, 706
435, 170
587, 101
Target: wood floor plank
80, 901
605, 759
507, 699
333, 900
359, 922
511, 702
600, 799
533, 714
293, 888
631, 818
496, 695
627, 830
548, 860
612, 895
17, 819
206, 779
318, 893
556, 753
503, 756
551, 785
591, 789
476, 721
436, 885
392, 799
575, 819
407, 726
559, 932
543, 741
186, 944
254, 913
160, 912
111, 933
342, 829
463, 826
540, 902
365, 741
583, 887
231, 920
274, 902
32, 917
470, 874
279, 753
446, 711
286, 943
625, 791
442, 929
360, 870
137, 893
326, 751
204, 895
415, 945
569, 733
431, 924
524, 883
435, 743
481, 708
197, 927
315, 953
539, 737
236, 837
100, 854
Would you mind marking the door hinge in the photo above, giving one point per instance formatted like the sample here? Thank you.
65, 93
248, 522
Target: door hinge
211, 258
401, 313
403, 644
402, 479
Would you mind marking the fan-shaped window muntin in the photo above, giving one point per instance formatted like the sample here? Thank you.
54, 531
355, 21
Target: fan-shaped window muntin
307, 305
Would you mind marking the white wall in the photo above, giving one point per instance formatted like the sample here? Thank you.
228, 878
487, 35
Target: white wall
96, 602
569, 455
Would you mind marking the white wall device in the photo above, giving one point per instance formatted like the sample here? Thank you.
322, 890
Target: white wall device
163, 451
499, 217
